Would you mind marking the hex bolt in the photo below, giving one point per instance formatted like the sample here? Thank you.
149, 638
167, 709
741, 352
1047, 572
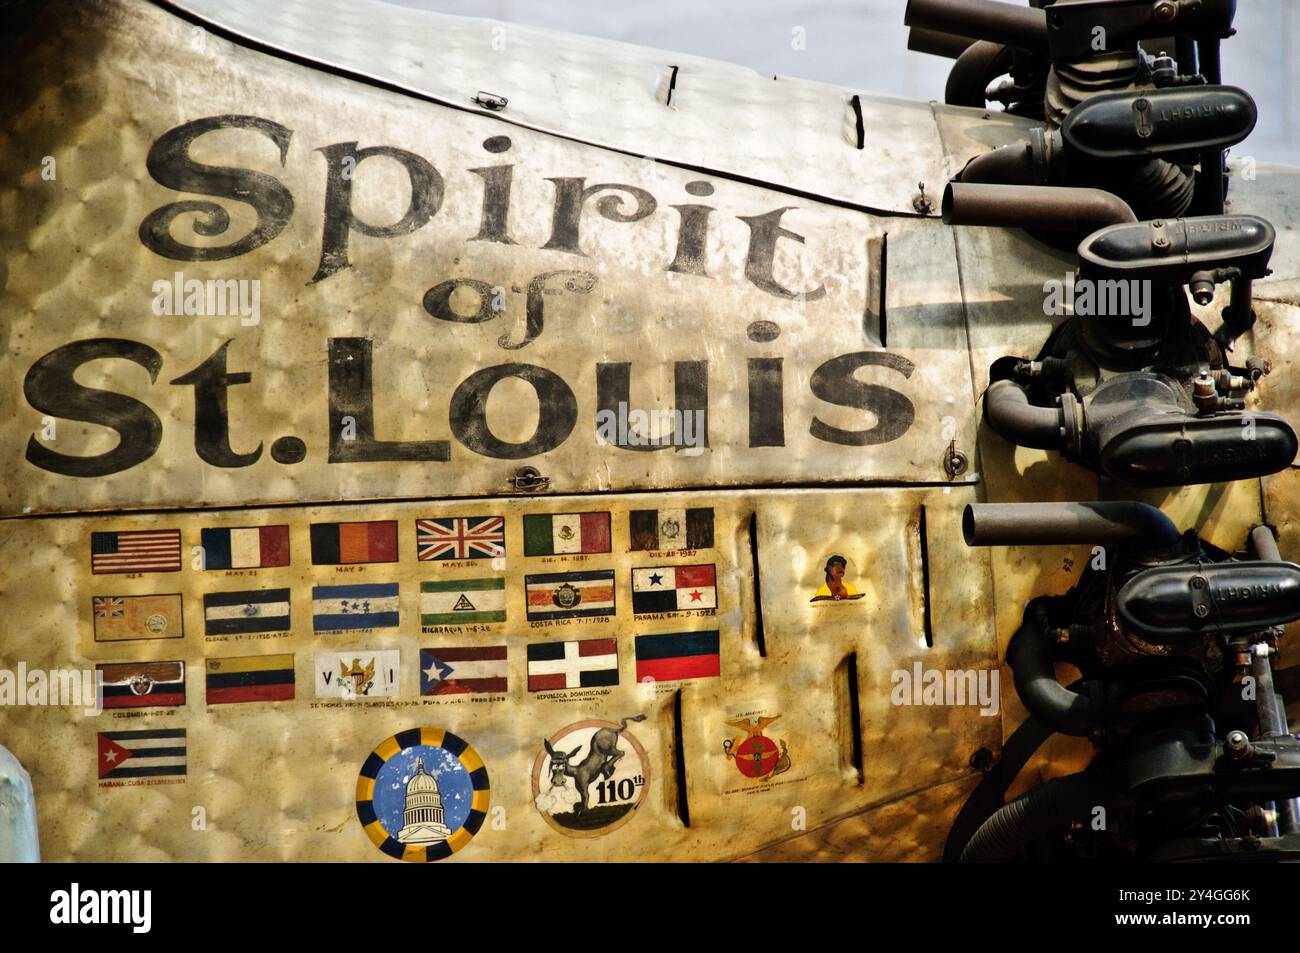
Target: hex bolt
1237, 744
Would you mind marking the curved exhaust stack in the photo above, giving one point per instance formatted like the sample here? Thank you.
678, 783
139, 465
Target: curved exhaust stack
1107, 523
1051, 208
1010, 415
1135, 428
975, 68
1021, 26
938, 42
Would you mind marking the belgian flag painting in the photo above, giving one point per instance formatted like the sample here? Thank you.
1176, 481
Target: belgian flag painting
346, 544
251, 678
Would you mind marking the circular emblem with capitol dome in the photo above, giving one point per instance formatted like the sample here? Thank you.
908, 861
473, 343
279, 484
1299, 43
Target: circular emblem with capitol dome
422, 794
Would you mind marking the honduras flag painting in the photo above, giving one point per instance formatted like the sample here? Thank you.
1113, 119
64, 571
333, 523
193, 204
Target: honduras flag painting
361, 606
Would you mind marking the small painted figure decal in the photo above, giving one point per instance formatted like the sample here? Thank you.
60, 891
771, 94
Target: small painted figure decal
835, 588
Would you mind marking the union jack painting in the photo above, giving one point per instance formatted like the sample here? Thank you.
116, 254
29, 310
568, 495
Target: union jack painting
460, 537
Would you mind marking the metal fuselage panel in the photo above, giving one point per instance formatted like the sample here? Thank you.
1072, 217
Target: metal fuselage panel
419, 300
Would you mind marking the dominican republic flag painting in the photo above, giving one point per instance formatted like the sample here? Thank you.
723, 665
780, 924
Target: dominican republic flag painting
667, 658
586, 663
136, 551
673, 589
460, 537
245, 547
565, 533
358, 606
346, 544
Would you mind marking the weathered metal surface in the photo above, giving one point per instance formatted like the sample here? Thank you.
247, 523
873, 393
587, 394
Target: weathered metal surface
276, 779
790, 133
838, 347
772, 329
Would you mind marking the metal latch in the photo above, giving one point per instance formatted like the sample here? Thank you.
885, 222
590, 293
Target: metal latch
529, 480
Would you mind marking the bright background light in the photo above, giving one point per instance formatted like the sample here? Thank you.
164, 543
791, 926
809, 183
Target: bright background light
863, 44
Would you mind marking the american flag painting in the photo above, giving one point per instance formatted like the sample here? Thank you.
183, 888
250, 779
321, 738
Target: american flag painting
460, 537
136, 551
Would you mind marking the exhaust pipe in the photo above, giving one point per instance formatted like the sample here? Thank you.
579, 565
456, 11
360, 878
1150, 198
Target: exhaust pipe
1051, 208
1108, 523
978, 65
938, 43
1029, 656
1019, 26
1017, 164
1011, 416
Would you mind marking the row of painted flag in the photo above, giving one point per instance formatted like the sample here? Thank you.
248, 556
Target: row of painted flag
449, 538
452, 670
568, 595
552, 666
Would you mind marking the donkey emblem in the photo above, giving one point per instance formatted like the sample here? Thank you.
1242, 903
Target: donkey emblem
602, 754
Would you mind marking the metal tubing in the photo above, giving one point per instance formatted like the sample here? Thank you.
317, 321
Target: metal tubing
974, 70
938, 43
1264, 544
1020, 26
1082, 211
1030, 657
1268, 705
1038, 812
1010, 415
1007, 165
1047, 524
1241, 312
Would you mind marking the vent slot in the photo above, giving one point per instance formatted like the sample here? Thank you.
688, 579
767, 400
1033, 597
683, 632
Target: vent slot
846, 683
923, 542
859, 129
760, 641
874, 319
679, 762
666, 87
